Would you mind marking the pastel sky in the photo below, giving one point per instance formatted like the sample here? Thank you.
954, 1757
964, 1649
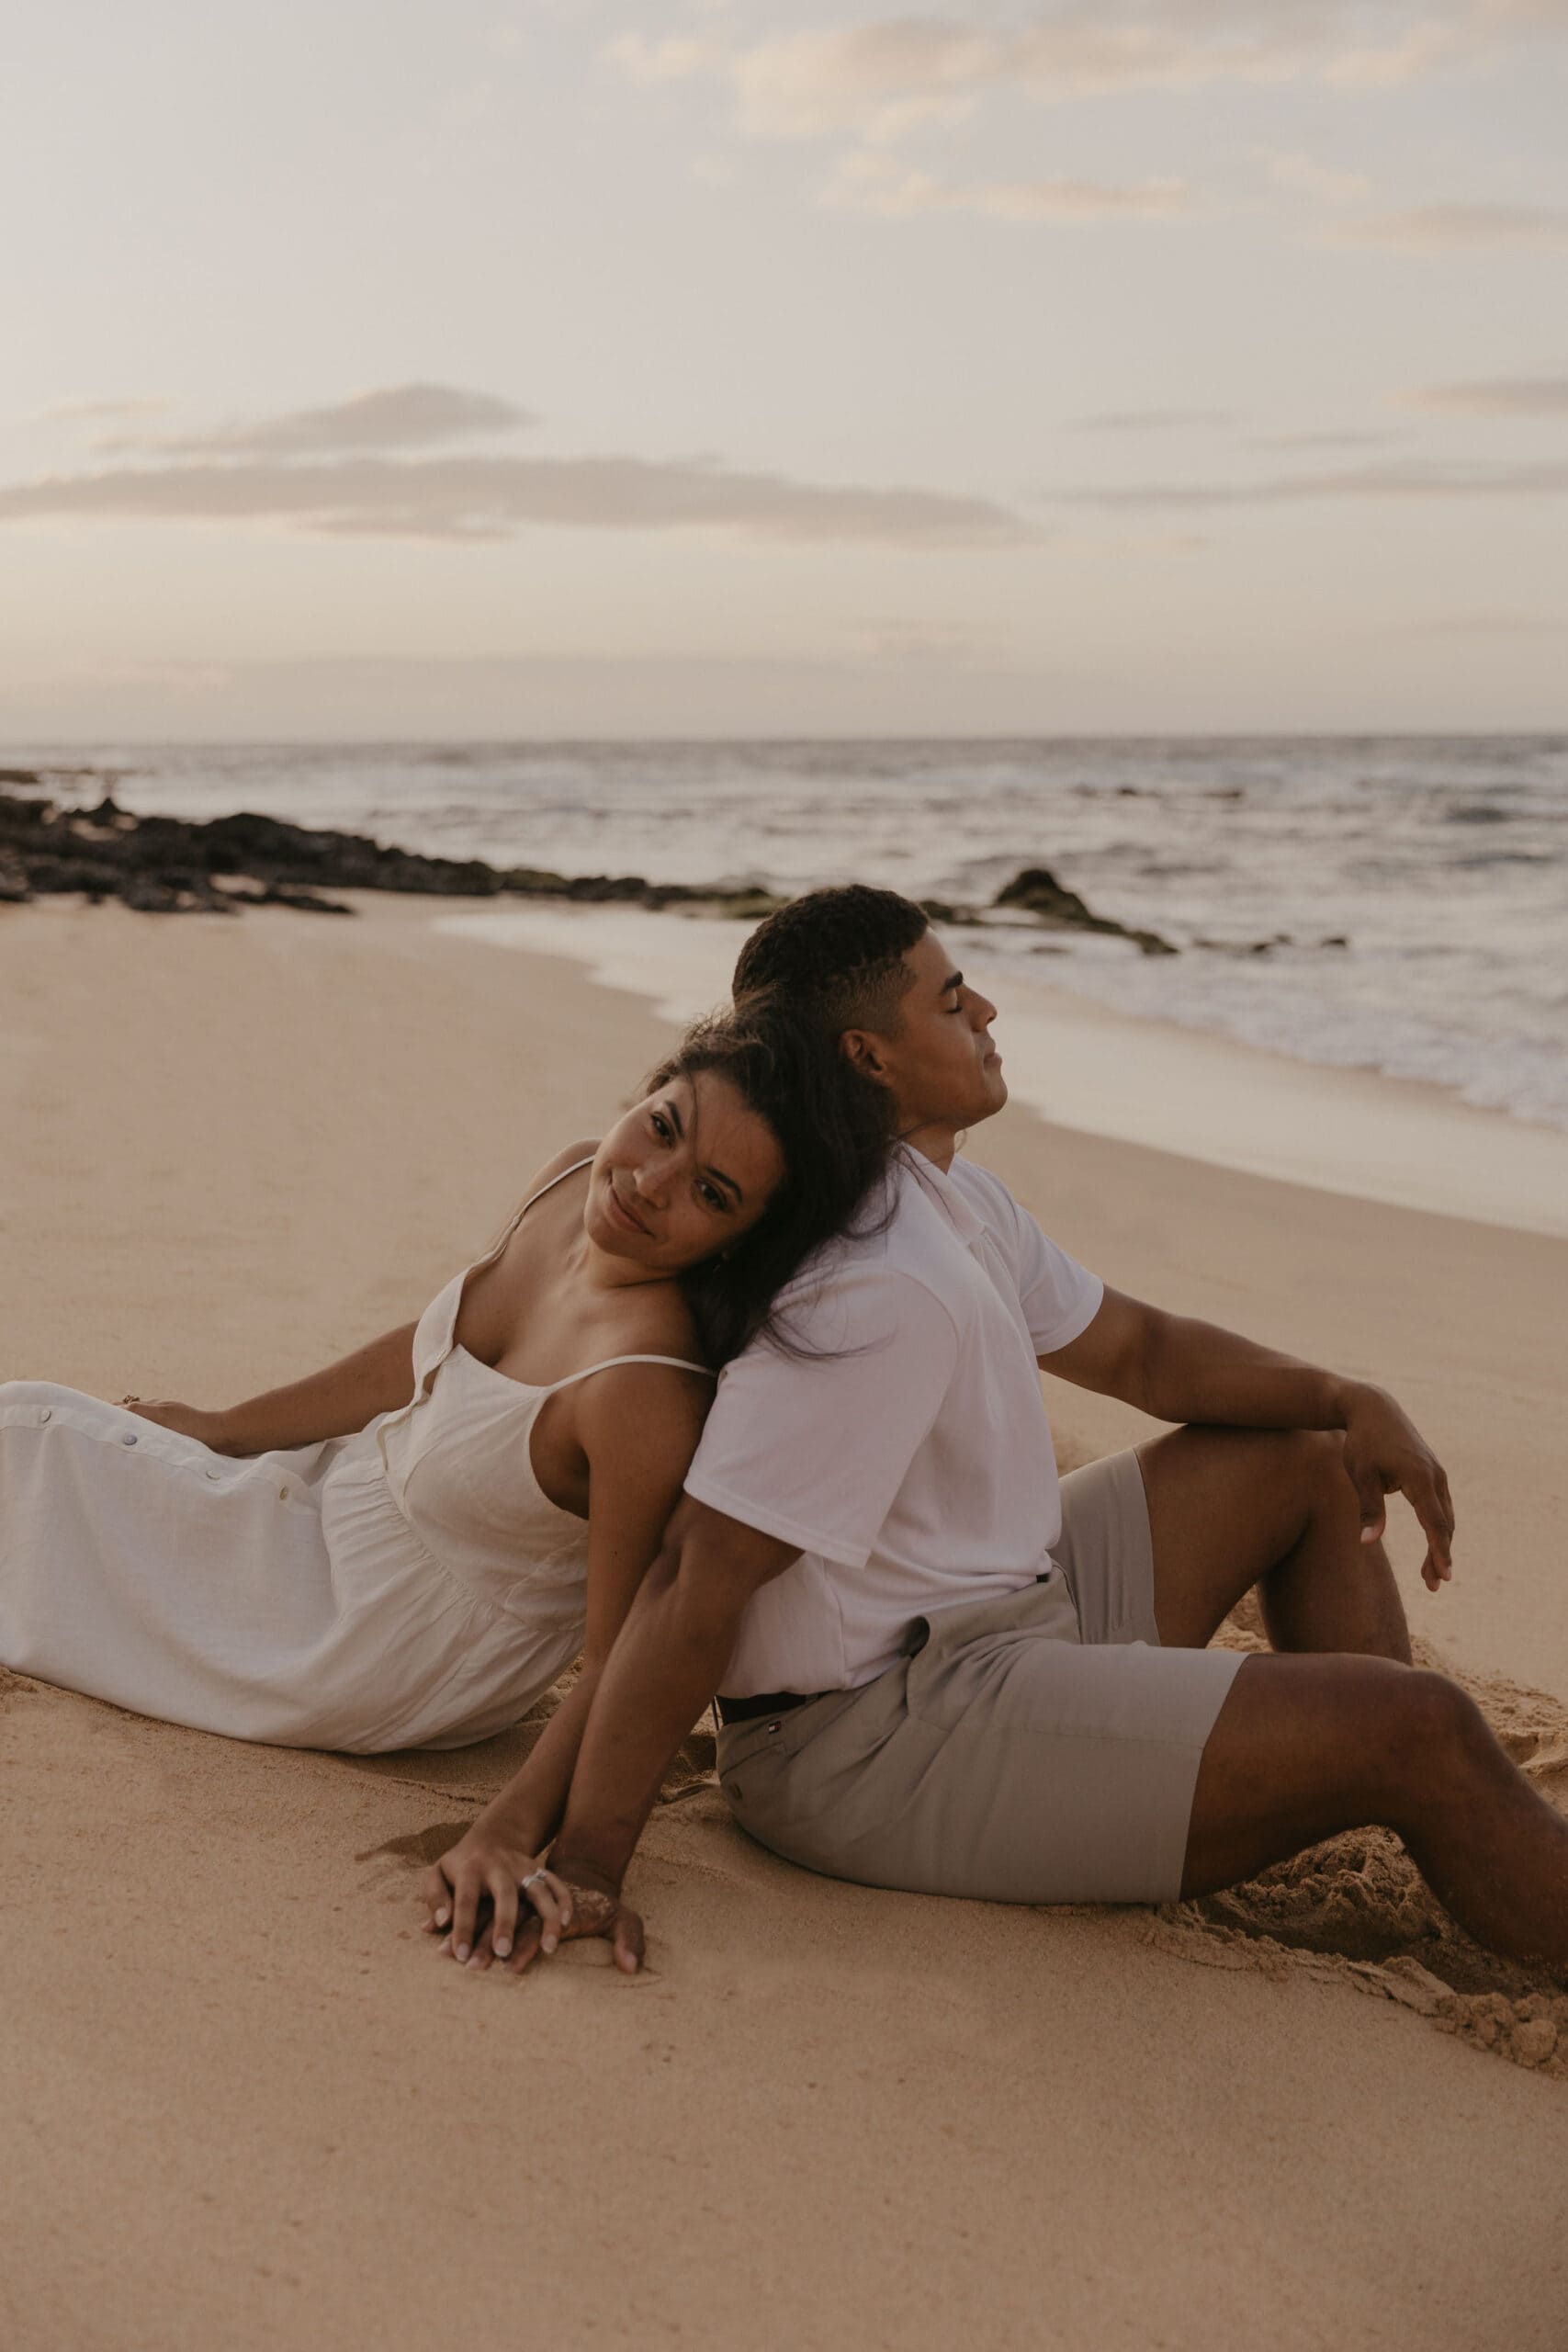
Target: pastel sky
444, 368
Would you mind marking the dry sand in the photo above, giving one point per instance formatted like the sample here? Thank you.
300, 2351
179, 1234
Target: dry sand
245, 2105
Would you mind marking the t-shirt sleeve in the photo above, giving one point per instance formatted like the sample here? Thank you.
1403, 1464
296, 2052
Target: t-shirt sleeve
813, 1448
1060, 1297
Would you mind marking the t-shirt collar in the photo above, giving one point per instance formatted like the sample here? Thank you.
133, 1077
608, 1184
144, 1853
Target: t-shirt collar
941, 1188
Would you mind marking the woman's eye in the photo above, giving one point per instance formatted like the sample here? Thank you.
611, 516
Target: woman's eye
712, 1199
660, 1126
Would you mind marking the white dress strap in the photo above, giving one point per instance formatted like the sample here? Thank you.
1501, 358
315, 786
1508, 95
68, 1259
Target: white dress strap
679, 1363
514, 1221
438, 1323
443, 1336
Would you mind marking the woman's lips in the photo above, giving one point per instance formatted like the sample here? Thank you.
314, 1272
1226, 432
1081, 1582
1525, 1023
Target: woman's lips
623, 1214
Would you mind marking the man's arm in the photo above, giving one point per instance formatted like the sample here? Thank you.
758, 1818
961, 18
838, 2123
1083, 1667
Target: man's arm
661, 1673
1181, 1369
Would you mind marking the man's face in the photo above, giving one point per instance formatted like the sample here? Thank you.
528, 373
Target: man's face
940, 1063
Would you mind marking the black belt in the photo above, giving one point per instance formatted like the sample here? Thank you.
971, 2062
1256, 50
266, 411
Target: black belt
766, 1702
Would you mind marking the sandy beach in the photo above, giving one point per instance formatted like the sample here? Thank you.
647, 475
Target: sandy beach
246, 2105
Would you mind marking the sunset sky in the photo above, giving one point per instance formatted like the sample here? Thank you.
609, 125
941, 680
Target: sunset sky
437, 367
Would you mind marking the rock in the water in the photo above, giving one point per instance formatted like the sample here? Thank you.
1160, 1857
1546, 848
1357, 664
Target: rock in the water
1035, 891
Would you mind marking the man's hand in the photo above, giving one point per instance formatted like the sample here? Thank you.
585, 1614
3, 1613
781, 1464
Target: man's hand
595, 1909
1385, 1454
473, 1894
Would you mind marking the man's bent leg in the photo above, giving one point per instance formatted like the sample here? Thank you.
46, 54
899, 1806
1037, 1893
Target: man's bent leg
1233, 1508
1304, 1748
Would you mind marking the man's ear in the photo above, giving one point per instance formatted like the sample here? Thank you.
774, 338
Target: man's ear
861, 1049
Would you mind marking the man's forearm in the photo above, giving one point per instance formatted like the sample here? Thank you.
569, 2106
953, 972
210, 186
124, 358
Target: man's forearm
661, 1673
1196, 1371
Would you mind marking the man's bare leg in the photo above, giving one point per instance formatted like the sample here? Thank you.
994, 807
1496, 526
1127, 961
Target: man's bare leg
1306, 1747
1232, 1508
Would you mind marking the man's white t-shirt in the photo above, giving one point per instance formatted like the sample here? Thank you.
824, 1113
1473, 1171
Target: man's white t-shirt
908, 1453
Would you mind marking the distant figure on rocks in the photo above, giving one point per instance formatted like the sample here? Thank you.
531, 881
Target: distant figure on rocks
939, 1668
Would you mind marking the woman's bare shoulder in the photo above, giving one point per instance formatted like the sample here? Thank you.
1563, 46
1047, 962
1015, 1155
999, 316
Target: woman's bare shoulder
572, 1156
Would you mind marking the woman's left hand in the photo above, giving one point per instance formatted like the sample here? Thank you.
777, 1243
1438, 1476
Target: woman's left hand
489, 1865
189, 1420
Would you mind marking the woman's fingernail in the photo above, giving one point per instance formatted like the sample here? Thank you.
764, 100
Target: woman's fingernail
502, 1946
548, 1944
462, 1951
442, 1917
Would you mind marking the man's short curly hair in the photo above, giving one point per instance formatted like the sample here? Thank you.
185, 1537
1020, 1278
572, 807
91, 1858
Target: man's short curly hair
838, 953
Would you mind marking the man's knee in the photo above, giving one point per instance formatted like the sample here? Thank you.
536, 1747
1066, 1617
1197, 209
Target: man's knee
1322, 1456
1435, 1737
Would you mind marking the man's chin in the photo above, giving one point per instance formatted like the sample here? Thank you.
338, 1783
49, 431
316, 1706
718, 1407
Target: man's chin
993, 1095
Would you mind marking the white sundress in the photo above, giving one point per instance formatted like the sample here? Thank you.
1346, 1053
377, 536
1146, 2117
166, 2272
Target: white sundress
408, 1586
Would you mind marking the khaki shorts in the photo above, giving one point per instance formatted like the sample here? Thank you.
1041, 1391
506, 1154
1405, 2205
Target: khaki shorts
1042, 1747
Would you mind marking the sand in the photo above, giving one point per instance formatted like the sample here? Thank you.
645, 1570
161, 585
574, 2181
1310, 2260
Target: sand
243, 2102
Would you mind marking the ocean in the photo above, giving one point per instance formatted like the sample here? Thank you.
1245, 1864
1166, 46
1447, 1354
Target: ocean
1397, 904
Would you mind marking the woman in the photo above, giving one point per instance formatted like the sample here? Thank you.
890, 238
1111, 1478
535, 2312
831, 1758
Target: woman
342, 1564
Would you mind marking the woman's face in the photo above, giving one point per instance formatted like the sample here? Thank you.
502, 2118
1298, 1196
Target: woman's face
681, 1176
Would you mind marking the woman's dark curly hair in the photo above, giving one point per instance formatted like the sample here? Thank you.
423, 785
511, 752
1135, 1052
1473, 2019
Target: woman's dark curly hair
833, 1128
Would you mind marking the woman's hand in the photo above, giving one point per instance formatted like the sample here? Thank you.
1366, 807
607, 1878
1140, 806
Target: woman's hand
490, 1868
211, 1428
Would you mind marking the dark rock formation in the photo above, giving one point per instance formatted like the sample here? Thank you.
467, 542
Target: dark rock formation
169, 865
1036, 891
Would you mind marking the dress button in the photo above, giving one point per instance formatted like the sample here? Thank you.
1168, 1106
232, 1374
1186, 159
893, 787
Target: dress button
214, 1474
46, 1414
283, 1494
129, 1441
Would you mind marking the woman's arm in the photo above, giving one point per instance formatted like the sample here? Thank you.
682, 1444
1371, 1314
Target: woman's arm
638, 1426
333, 1403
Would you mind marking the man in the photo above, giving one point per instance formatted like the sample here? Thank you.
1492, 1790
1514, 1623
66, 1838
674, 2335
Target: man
940, 1671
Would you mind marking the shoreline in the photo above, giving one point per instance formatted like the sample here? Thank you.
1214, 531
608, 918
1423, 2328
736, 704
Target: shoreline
1203, 1096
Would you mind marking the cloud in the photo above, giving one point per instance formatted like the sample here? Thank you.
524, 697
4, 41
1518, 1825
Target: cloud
398, 416
1152, 420
1412, 480
832, 79
953, 644
1458, 228
95, 412
479, 498
1305, 177
1499, 396
672, 58
1345, 437
872, 181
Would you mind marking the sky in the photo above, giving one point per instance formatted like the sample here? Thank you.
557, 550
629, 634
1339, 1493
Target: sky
586, 369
